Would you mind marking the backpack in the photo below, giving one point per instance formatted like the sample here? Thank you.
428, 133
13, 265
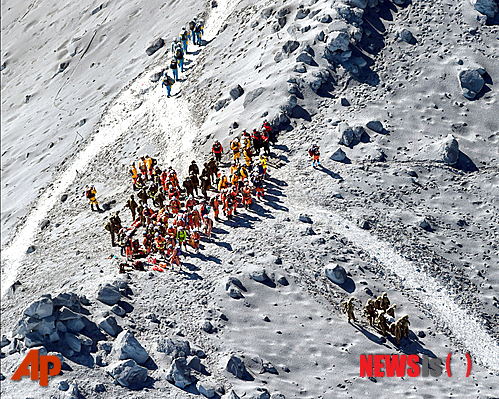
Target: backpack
192, 25
170, 81
173, 64
184, 36
179, 55
197, 29
311, 152
89, 193
154, 161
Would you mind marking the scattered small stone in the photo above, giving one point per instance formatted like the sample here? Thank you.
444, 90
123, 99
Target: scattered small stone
305, 219
63, 385
425, 225
472, 82
449, 150
110, 326
207, 326
206, 388
290, 46
344, 102
118, 310
283, 281
30, 249
174, 347
421, 334
266, 318
364, 224
99, 388
236, 367
179, 374
406, 36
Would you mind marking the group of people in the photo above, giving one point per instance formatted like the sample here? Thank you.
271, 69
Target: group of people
193, 34
175, 215
380, 313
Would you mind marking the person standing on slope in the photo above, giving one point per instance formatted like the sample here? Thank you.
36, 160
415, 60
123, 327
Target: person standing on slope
90, 193
191, 25
217, 150
197, 34
168, 82
179, 55
315, 153
184, 37
174, 68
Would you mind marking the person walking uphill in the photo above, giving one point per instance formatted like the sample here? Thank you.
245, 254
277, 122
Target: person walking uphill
179, 55
217, 150
90, 193
315, 153
168, 82
184, 37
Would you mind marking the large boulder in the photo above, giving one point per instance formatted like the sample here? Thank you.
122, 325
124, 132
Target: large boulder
69, 300
339, 155
346, 134
236, 92
236, 367
490, 8
67, 314
449, 150
290, 46
155, 46
73, 341
338, 41
375, 126
471, 82
126, 346
41, 308
337, 274
305, 58
110, 326
108, 294
173, 347
207, 388
127, 373
179, 374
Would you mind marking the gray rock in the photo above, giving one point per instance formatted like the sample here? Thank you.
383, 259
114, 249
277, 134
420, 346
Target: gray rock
206, 388
290, 46
336, 273
83, 300
47, 326
155, 46
73, 341
281, 22
73, 392
267, 13
375, 126
449, 150
70, 300
59, 325
41, 308
173, 347
289, 105
179, 374
4, 341
376, 154
156, 76
67, 314
282, 12
59, 356
472, 82
31, 249
252, 96
127, 373
13, 288
277, 396
358, 3
318, 79
490, 8
234, 292
305, 58
110, 326
118, 310
364, 224
267, 367
221, 104
346, 134
105, 347
75, 325
338, 41
406, 36
325, 18
194, 363
99, 387
425, 225
108, 294
339, 155
321, 36
126, 346
305, 218
258, 273
259, 393
33, 339
236, 92
302, 13
63, 385
236, 367
300, 68
283, 280
344, 102
207, 326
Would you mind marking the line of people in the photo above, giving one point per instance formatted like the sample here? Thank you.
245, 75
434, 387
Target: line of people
179, 50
